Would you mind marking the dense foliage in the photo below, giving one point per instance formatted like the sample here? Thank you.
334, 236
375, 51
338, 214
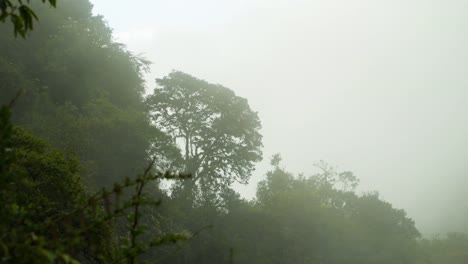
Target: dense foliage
39, 187
298, 219
48, 217
81, 122
82, 91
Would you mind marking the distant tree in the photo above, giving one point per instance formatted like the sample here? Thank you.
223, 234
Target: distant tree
328, 175
275, 160
451, 248
217, 130
317, 219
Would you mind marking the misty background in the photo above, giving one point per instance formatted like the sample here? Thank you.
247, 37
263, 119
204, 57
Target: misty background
371, 86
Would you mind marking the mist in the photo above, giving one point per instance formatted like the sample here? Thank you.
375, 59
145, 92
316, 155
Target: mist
266, 132
376, 87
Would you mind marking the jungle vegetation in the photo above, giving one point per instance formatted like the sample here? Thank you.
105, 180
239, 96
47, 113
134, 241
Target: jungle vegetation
84, 154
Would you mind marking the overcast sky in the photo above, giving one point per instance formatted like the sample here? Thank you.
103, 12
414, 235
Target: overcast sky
376, 87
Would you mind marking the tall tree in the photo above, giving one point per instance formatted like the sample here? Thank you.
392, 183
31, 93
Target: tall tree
216, 130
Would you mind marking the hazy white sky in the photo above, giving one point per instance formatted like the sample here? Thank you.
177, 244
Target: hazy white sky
372, 86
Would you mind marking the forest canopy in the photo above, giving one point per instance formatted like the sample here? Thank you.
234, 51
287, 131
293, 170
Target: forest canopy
85, 155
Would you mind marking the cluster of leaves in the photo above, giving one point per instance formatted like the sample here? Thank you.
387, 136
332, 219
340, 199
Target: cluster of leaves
21, 15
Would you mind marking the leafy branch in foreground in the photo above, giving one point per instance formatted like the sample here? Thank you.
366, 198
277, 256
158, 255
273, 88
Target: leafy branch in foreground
47, 217
20, 14
130, 247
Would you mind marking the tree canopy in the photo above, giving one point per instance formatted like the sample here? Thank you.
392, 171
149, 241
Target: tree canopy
216, 130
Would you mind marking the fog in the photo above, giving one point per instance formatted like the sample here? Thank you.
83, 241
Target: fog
257, 131
375, 87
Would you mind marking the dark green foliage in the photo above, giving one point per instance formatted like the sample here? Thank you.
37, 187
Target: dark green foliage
83, 92
47, 216
21, 15
6, 144
40, 184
